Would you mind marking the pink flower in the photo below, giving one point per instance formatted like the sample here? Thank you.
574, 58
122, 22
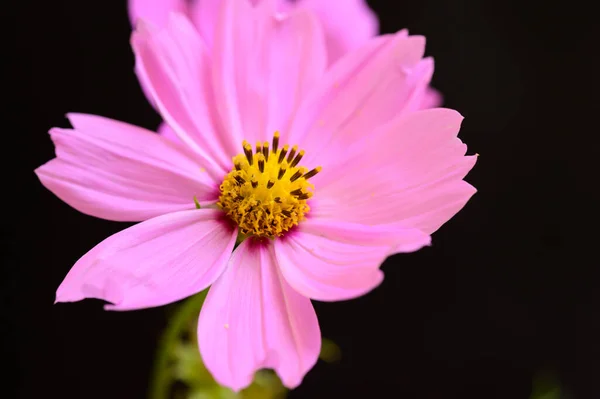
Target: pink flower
347, 24
380, 177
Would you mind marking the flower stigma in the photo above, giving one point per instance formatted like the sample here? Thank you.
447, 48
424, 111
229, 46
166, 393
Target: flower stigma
266, 192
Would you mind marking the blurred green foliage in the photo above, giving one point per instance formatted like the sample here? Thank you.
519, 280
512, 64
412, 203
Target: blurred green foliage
180, 373
546, 386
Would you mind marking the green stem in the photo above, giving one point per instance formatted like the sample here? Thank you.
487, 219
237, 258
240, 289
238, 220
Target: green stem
162, 378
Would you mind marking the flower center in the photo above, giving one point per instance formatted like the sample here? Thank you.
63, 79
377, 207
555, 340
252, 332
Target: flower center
266, 192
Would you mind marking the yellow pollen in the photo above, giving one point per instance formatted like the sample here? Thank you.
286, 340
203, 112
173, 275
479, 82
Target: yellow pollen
265, 194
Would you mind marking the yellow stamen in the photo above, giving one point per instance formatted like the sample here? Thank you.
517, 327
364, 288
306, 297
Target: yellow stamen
266, 195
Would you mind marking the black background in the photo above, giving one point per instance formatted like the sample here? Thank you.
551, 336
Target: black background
506, 290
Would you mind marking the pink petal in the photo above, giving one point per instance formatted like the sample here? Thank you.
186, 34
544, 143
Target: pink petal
117, 171
365, 89
414, 176
168, 133
332, 260
297, 61
204, 14
347, 23
155, 12
432, 99
253, 319
156, 262
263, 65
174, 65
418, 81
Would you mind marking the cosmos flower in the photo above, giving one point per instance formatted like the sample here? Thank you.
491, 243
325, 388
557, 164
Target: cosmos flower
346, 25
318, 173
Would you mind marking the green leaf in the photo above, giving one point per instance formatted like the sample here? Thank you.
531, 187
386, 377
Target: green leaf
178, 360
163, 376
330, 352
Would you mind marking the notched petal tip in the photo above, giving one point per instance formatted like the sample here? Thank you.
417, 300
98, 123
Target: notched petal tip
45, 172
143, 31
166, 253
428, 64
470, 190
408, 50
142, 27
269, 324
450, 117
69, 115
418, 41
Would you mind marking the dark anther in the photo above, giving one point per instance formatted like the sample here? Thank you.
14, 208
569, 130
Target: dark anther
248, 152
275, 142
281, 173
292, 153
298, 158
296, 176
313, 172
284, 151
